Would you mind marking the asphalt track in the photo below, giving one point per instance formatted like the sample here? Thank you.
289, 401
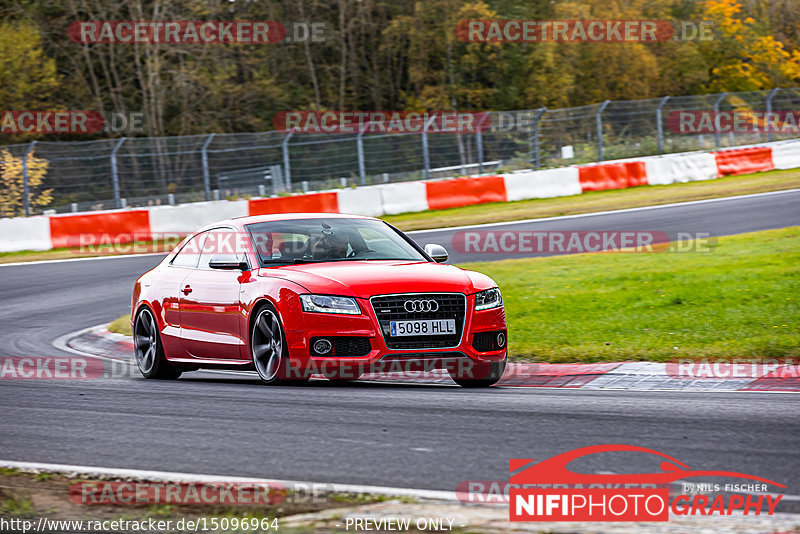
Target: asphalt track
430, 437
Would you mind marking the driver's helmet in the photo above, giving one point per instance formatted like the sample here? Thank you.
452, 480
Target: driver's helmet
331, 245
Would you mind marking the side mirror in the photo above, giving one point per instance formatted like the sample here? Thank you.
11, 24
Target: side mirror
228, 263
437, 252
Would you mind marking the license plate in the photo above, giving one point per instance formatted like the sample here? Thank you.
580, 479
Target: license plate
426, 327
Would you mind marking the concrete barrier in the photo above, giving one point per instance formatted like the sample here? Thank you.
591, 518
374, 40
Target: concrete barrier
457, 192
786, 155
543, 184
20, 233
187, 218
403, 197
121, 226
361, 201
678, 168
602, 176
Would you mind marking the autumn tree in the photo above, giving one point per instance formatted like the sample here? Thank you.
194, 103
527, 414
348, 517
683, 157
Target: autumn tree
12, 187
743, 54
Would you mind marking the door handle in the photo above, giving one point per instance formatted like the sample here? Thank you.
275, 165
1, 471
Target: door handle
186, 290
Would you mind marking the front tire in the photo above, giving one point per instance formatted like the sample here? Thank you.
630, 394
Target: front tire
269, 350
148, 350
479, 375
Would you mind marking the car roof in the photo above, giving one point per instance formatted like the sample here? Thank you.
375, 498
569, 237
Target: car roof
254, 219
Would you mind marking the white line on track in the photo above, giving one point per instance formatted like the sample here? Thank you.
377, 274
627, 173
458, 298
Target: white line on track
62, 343
167, 476
93, 258
449, 228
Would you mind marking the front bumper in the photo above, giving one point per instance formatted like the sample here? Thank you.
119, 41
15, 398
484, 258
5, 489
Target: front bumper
381, 357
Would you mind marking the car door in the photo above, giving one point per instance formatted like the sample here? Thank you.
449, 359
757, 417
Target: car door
169, 285
210, 303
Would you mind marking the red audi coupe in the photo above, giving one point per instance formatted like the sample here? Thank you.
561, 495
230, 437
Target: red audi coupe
291, 295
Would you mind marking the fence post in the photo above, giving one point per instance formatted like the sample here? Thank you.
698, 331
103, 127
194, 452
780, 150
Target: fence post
534, 140
26, 190
479, 141
287, 173
769, 109
659, 125
600, 129
115, 173
425, 157
206, 174
362, 169
716, 113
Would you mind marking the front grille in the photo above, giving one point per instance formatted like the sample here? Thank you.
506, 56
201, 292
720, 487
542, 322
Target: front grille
345, 346
392, 308
486, 341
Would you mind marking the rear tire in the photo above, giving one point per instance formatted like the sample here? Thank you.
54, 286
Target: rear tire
479, 375
148, 350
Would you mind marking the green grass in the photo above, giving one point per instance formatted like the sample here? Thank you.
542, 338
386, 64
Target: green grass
121, 325
741, 300
17, 506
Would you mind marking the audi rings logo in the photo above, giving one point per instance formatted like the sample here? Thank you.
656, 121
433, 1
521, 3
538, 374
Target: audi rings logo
420, 306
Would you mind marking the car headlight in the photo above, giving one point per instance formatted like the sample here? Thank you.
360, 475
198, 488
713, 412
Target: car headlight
330, 304
491, 298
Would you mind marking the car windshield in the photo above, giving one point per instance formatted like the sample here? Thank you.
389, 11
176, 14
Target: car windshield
334, 239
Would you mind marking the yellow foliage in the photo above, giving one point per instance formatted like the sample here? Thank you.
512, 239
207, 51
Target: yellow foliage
745, 59
12, 187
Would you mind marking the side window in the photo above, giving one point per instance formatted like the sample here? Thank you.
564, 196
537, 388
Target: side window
221, 243
190, 253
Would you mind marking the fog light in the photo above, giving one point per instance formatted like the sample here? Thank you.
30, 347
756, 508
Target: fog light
501, 340
322, 346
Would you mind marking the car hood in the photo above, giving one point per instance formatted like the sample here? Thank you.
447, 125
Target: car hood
368, 278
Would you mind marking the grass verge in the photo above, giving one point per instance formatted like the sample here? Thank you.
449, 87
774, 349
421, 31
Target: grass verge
121, 325
635, 197
27, 495
500, 211
740, 300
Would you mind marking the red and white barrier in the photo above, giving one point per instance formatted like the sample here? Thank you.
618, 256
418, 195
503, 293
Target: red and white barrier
186, 218
121, 226
620, 175
786, 155
562, 182
679, 168
25, 233
362, 201
453, 193
403, 197
98, 227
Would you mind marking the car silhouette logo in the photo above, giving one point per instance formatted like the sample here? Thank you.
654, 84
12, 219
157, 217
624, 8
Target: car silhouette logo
554, 470
420, 306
